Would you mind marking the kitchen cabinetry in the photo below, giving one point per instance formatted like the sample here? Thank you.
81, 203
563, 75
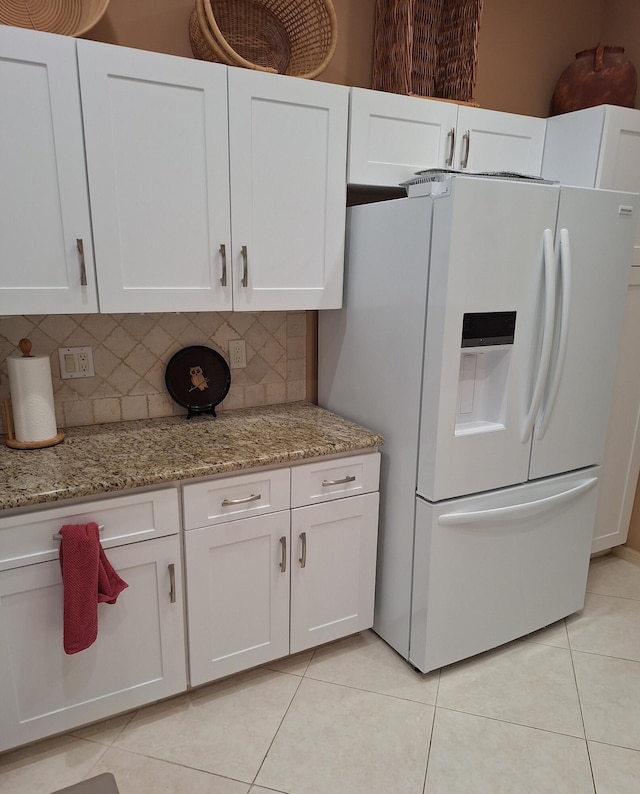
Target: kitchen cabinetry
264, 581
392, 136
46, 251
212, 187
600, 147
138, 656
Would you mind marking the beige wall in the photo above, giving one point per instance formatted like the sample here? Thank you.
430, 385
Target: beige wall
523, 47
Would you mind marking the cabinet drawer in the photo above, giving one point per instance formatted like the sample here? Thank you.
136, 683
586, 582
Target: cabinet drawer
246, 495
333, 479
29, 538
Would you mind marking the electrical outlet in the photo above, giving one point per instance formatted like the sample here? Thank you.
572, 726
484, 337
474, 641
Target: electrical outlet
237, 354
76, 362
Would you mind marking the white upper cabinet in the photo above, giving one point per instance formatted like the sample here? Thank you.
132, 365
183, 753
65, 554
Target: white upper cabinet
287, 147
596, 147
156, 140
392, 136
46, 252
211, 198
489, 140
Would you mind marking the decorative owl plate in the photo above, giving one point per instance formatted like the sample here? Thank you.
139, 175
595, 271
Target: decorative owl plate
198, 378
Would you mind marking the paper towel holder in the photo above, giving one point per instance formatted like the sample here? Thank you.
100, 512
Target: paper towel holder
11, 440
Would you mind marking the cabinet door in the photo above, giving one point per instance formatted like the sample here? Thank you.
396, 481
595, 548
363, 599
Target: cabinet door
157, 157
333, 569
44, 208
137, 658
237, 595
621, 462
619, 167
287, 145
488, 140
392, 136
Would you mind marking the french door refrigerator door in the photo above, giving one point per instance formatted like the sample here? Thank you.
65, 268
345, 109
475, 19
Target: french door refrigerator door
491, 568
492, 244
594, 241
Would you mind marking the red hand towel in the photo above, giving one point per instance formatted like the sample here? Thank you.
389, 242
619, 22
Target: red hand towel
88, 578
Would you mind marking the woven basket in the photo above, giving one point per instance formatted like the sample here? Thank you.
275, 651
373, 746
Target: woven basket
295, 37
67, 17
427, 47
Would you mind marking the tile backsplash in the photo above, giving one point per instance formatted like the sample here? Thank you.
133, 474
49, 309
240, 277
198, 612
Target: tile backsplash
131, 351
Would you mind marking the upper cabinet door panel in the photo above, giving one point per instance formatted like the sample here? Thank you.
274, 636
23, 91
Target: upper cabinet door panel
392, 136
156, 138
489, 140
620, 161
44, 207
287, 149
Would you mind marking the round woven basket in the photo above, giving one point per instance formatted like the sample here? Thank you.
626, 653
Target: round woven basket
294, 37
67, 17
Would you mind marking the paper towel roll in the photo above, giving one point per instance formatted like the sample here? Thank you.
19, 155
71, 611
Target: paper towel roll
34, 415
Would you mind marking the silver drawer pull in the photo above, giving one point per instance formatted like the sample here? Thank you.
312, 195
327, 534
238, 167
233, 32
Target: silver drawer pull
223, 254
348, 478
58, 536
283, 559
172, 583
303, 559
253, 498
83, 267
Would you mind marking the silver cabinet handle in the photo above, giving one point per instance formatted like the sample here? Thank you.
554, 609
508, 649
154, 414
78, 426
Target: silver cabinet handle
58, 536
348, 478
253, 498
245, 267
303, 559
467, 144
172, 583
452, 145
223, 254
83, 268
283, 559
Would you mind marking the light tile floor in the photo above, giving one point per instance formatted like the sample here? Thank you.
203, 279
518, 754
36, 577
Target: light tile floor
558, 711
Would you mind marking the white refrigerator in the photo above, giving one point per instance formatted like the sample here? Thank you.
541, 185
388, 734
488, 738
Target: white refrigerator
478, 335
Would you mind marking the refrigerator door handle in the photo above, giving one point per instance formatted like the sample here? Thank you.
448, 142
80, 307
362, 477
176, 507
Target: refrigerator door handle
565, 270
515, 512
548, 257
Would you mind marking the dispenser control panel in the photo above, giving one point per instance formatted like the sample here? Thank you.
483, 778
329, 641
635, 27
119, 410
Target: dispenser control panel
488, 328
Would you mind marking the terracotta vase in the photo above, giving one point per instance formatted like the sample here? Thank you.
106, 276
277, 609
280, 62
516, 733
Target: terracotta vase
599, 76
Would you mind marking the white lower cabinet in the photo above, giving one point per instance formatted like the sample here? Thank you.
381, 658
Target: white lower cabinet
333, 569
238, 595
275, 561
264, 586
138, 656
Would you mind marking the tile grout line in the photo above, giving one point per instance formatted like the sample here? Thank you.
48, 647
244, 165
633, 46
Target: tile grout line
433, 723
584, 727
255, 777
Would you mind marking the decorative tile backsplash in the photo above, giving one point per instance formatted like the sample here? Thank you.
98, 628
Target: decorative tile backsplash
131, 351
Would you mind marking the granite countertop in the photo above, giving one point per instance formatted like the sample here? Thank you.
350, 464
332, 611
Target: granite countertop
100, 459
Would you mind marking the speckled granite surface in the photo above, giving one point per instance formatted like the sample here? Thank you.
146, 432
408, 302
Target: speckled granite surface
111, 457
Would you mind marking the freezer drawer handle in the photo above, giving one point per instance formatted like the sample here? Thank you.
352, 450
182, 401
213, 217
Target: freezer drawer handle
348, 478
511, 512
253, 498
